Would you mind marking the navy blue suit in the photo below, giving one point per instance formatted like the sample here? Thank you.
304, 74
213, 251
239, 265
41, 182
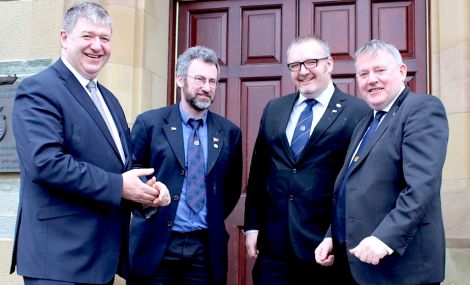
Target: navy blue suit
158, 142
72, 224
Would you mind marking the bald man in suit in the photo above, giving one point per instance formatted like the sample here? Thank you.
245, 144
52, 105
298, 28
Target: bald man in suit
290, 187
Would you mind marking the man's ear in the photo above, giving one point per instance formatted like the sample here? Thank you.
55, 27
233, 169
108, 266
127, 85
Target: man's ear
63, 38
180, 81
403, 71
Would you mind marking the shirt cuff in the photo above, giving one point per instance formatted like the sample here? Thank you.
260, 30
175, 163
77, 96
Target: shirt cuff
250, 231
389, 250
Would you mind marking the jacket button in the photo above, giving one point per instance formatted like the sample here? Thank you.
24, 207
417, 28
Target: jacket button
169, 223
291, 197
294, 170
182, 172
176, 198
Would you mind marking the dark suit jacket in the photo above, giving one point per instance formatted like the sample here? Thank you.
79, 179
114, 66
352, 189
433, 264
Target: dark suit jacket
158, 143
290, 202
393, 192
71, 223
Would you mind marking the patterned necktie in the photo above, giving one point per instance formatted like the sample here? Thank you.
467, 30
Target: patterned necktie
368, 135
340, 211
302, 129
195, 179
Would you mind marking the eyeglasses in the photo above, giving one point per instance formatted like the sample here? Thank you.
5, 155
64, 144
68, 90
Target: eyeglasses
201, 80
309, 63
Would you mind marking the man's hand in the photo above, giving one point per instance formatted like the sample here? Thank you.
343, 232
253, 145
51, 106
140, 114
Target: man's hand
370, 250
323, 252
163, 193
251, 241
134, 189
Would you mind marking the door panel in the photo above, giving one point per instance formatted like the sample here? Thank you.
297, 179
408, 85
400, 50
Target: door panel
251, 38
346, 25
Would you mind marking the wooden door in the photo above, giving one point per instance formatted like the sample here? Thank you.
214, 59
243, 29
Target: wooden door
251, 38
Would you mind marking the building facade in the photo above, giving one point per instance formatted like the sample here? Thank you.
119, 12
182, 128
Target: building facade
139, 72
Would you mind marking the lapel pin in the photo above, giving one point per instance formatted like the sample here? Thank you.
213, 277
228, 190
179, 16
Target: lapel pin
334, 111
215, 139
173, 128
338, 105
216, 145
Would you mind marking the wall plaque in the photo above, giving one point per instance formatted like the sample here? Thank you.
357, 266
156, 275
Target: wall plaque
8, 157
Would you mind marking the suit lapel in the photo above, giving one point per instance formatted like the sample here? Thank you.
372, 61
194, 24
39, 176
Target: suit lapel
333, 110
215, 142
78, 92
174, 134
121, 123
380, 130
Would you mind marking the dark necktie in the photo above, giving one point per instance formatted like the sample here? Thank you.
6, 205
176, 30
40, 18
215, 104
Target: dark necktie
302, 129
340, 211
195, 179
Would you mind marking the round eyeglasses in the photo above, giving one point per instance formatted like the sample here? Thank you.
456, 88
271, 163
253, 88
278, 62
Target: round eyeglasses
201, 80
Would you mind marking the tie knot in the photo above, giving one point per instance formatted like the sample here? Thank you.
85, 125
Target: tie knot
195, 124
379, 115
311, 102
91, 85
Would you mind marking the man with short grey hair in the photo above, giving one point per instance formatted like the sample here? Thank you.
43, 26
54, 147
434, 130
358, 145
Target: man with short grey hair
388, 227
74, 148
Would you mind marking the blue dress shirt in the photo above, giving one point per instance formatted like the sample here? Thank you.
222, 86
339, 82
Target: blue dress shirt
187, 220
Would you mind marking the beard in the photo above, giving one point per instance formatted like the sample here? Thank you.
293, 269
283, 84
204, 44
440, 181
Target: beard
195, 101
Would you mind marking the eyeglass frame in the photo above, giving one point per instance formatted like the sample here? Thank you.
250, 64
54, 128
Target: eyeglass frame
313, 60
201, 81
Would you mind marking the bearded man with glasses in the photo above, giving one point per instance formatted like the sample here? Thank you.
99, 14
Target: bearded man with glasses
300, 148
198, 155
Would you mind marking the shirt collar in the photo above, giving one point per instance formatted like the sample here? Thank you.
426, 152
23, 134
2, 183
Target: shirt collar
323, 98
185, 117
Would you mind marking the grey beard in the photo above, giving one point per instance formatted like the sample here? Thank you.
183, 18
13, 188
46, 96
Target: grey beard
200, 105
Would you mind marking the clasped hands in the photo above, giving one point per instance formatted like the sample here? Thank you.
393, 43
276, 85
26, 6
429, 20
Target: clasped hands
152, 193
370, 250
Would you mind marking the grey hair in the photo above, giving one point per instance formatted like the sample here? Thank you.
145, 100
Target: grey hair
374, 46
88, 10
311, 37
197, 52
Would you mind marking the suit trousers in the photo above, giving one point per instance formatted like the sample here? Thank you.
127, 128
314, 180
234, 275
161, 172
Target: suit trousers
289, 270
342, 271
36, 281
185, 262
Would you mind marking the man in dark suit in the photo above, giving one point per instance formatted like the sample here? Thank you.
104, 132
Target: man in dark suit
184, 243
290, 187
388, 225
73, 215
